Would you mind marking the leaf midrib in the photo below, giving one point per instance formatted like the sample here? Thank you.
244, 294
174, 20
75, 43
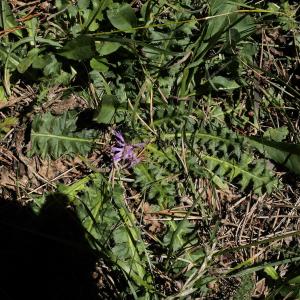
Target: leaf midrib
62, 137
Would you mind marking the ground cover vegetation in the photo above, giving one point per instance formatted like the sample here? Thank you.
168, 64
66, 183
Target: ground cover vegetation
151, 148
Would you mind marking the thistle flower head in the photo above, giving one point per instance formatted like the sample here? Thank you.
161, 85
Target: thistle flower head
124, 152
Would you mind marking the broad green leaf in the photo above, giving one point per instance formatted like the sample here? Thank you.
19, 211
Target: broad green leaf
41, 61
7, 19
221, 184
72, 190
106, 110
26, 62
105, 48
273, 7
63, 78
72, 11
99, 64
11, 59
129, 246
6, 124
83, 4
260, 176
220, 24
233, 36
88, 14
57, 135
96, 13
247, 52
277, 134
222, 83
76, 29
285, 154
61, 4
80, 48
95, 210
122, 17
32, 27
53, 67
100, 83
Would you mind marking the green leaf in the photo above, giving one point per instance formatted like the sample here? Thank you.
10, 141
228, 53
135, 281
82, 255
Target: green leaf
57, 135
63, 78
71, 191
99, 64
285, 154
91, 16
129, 246
105, 48
245, 288
260, 176
3, 97
83, 4
243, 24
229, 156
122, 17
41, 61
32, 28
26, 62
277, 134
53, 67
271, 272
106, 110
61, 4
297, 40
295, 280
80, 48
6, 124
175, 238
154, 179
222, 83
7, 19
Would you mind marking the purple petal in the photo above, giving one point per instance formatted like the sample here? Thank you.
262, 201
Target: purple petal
128, 152
125, 152
120, 137
117, 157
116, 149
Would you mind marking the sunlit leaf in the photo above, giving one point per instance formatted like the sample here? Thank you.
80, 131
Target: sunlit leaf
122, 17
54, 136
105, 48
222, 83
285, 154
99, 64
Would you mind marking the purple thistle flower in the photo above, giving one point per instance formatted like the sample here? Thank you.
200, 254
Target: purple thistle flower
125, 152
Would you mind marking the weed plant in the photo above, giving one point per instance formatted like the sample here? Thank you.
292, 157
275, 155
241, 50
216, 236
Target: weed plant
177, 106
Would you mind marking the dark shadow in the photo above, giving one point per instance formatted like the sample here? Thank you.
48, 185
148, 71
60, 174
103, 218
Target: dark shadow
44, 256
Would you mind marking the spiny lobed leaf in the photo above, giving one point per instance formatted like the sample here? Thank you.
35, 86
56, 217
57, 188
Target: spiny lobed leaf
252, 172
55, 136
228, 156
155, 180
